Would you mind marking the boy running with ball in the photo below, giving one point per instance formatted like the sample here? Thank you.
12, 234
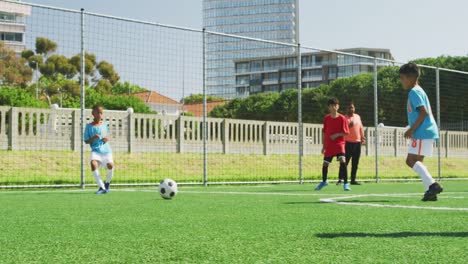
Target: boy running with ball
423, 129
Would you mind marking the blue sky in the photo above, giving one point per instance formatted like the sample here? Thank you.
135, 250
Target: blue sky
411, 29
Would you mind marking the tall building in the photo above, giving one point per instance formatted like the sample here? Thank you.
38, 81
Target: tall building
277, 74
13, 25
275, 20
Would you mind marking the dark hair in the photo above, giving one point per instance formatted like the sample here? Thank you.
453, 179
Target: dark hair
95, 107
333, 101
410, 69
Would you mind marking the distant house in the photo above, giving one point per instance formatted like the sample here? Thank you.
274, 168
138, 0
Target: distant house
160, 103
197, 109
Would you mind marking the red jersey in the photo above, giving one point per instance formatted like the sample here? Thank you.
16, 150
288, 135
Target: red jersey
332, 126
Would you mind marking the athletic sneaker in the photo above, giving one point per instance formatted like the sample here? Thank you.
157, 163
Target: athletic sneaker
338, 182
101, 191
107, 185
346, 187
431, 194
355, 183
321, 185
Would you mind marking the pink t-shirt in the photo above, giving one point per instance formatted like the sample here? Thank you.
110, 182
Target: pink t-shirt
356, 133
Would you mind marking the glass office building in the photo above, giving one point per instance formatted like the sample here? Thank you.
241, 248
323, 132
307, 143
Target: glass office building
265, 19
278, 74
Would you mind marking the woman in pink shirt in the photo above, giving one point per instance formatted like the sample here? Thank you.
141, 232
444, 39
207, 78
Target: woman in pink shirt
354, 140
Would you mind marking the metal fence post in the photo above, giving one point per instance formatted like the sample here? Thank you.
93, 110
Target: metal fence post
376, 120
82, 121
299, 110
204, 134
438, 122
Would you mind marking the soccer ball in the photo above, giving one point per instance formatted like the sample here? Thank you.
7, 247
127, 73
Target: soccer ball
168, 188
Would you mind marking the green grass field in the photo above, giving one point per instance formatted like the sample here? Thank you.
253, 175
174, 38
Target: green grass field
236, 224
47, 167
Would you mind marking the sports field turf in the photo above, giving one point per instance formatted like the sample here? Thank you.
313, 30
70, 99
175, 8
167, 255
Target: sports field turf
374, 223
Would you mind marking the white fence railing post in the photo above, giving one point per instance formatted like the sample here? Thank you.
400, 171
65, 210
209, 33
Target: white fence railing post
76, 133
131, 131
225, 137
13, 129
180, 134
266, 137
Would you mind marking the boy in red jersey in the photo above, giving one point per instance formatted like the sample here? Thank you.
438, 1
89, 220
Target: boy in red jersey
335, 128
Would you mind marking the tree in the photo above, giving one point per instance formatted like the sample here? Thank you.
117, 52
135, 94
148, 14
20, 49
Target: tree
127, 88
198, 98
106, 70
12, 96
45, 46
13, 69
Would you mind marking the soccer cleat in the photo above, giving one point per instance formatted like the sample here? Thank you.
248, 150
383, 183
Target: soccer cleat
101, 191
338, 182
355, 183
107, 185
431, 194
346, 187
321, 185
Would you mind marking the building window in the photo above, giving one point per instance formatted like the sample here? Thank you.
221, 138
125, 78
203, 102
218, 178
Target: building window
271, 88
256, 79
274, 76
315, 74
288, 76
243, 80
10, 36
5, 17
255, 89
288, 86
332, 73
241, 91
290, 63
242, 67
272, 64
256, 66
311, 84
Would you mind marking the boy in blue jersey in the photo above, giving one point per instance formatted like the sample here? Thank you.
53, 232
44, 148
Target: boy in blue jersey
423, 129
97, 135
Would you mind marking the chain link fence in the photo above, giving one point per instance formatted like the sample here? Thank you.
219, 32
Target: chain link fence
205, 107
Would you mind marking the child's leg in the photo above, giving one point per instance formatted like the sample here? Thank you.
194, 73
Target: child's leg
97, 177
325, 171
416, 163
343, 174
110, 172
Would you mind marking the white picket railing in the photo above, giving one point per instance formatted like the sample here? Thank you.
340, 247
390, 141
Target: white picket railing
59, 129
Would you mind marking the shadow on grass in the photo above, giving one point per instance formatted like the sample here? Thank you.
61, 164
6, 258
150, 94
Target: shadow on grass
394, 235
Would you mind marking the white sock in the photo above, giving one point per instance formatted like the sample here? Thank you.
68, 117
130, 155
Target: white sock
97, 177
110, 173
426, 177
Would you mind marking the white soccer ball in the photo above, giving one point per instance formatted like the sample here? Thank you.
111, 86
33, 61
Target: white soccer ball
168, 188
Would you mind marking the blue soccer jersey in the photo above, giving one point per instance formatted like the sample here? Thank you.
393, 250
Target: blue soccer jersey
98, 145
428, 128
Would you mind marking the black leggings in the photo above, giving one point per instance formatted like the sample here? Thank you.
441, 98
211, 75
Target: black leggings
353, 151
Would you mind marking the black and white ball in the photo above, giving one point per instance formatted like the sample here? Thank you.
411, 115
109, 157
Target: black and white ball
168, 188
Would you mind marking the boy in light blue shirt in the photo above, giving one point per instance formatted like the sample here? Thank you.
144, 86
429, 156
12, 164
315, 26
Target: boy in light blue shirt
423, 129
96, 135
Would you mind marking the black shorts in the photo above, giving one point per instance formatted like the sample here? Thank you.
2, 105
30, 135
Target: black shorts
330, 159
